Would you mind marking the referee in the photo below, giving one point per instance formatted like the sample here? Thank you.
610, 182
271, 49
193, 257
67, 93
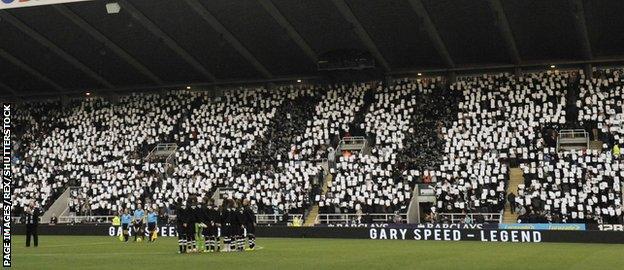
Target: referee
31, 218
138, 220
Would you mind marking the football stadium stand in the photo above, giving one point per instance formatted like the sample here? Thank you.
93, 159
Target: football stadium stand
278, 146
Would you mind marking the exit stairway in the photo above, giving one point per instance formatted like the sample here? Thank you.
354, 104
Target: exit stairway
595, 145
58, 208
314, 211
516, 177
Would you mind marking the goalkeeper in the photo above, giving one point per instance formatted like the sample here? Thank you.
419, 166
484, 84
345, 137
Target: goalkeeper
200, 223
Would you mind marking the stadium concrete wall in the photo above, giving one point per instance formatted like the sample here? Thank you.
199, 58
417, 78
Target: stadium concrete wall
415, 233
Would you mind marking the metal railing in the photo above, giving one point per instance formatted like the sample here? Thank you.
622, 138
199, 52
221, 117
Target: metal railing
85, 219
261, 218
275, 218
351, 143
572, 133
346, 218
572, 139
459, 218
320, 219
163, 150
165, 147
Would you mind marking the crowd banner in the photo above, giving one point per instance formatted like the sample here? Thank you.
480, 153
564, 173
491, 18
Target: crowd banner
389, 232
6, 4
544, 226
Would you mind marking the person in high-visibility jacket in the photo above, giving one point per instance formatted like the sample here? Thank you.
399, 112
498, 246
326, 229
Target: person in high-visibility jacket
116, 225
297, 222
616, 151
116, 221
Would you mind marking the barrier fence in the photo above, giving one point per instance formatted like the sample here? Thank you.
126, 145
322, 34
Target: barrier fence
357, 218
260, 218
409, 232
320, 219
459, 218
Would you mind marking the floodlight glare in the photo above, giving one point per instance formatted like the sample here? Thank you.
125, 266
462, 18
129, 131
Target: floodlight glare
113, 8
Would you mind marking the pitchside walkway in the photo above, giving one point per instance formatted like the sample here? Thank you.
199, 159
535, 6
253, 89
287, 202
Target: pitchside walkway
516, 177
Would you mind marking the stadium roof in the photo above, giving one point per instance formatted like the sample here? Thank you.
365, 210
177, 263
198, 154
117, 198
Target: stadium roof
77, 47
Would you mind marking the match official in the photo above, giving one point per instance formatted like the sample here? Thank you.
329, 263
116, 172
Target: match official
139, 217
126, 218
152, 221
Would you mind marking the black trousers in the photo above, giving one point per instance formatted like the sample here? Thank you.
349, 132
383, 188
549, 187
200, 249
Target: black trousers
31, 230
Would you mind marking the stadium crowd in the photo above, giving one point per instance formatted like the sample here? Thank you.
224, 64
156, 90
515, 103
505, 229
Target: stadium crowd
378, 180
506, 120
267, 146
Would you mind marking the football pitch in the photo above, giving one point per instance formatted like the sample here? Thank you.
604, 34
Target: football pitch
86, 252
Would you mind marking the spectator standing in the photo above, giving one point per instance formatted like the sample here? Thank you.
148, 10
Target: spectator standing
511, 198
467, 219
285, 218
397, 217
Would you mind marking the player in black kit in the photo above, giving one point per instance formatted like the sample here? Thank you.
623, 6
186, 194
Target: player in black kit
182, 222
218, 222
237, 226
191, 228
227, 228
249, 221
207, 224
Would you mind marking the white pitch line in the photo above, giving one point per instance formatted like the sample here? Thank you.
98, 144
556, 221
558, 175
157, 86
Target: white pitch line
76, 245
96, 254
119, 253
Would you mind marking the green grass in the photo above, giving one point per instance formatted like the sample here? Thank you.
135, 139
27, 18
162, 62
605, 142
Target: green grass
82, 252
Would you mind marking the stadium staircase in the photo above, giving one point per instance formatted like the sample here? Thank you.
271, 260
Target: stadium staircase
595, 145
360, 117
59, 207
311, 218
622, 184
355, 130
314, 210
516, 177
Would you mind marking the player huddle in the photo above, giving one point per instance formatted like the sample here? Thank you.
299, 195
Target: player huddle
207, 222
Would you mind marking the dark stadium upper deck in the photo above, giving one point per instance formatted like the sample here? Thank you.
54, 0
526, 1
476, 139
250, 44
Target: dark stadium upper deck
78, 47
